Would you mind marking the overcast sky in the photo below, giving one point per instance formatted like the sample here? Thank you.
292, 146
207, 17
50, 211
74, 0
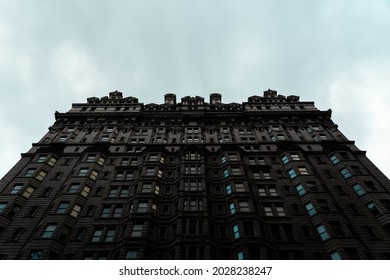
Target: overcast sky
54, 53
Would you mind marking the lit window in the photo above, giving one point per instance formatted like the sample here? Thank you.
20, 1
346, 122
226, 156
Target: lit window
310, 209
16, 189
262, 192
322, 232
295, 157
101, 161
91, 158
75, 211
292, 173
223, 159
85, 191
303, 170
236, 232
157, 189
232, 208
137, 230
62, 207
345, 173
240, 255
272, 192
301, 191
149, 172
49, 231
94, 175
358, 189
225, 173
51, 161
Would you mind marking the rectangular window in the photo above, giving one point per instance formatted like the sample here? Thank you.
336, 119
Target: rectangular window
285, 159
105, 212
334, 159
280, 211
62, 207
142, 207
240, 255
295, 157
291, 173
49, 231
358, 189
30, 172
74, 188
244, 206
16, 189
2, 206
225, 173
236, 232
239, 187
310, 209
303, 171
228, 189
322, 232
97, 235
146, 188
345, 173
83, 172
131, 255
335, 256
372, 207
149, 171
110, 234
137, 230
232, 208
301, 191
268, 211
75, 211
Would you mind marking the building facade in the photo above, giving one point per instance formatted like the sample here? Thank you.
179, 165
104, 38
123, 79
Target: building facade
271, 178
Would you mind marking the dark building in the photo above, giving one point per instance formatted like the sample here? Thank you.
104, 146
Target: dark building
271, 178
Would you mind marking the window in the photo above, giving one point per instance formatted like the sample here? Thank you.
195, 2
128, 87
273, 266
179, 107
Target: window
239, 187
91, 158
232, 208
157, 190
41, 158
131, 255
16, 189
291, 173
372, 207
2, 206
30, 172
301, 191
146, 188
335, 256
35, 254
105, 212
74, 188
110, 235
223, 159
137, 230
97, 235
236, 233
240, 255
345, 173
358, 189
62, 207
334, 159
75, 211
225, 173
149, 171
94, 175
228, 189
322, 232
83, 172
295, 157
285, 159
244, 206
303, 171
268, 211
85, 191
310, 209
142, 207
49, 231
280, 211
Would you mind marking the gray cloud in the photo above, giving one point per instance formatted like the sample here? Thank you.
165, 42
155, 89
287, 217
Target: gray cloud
54, 53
